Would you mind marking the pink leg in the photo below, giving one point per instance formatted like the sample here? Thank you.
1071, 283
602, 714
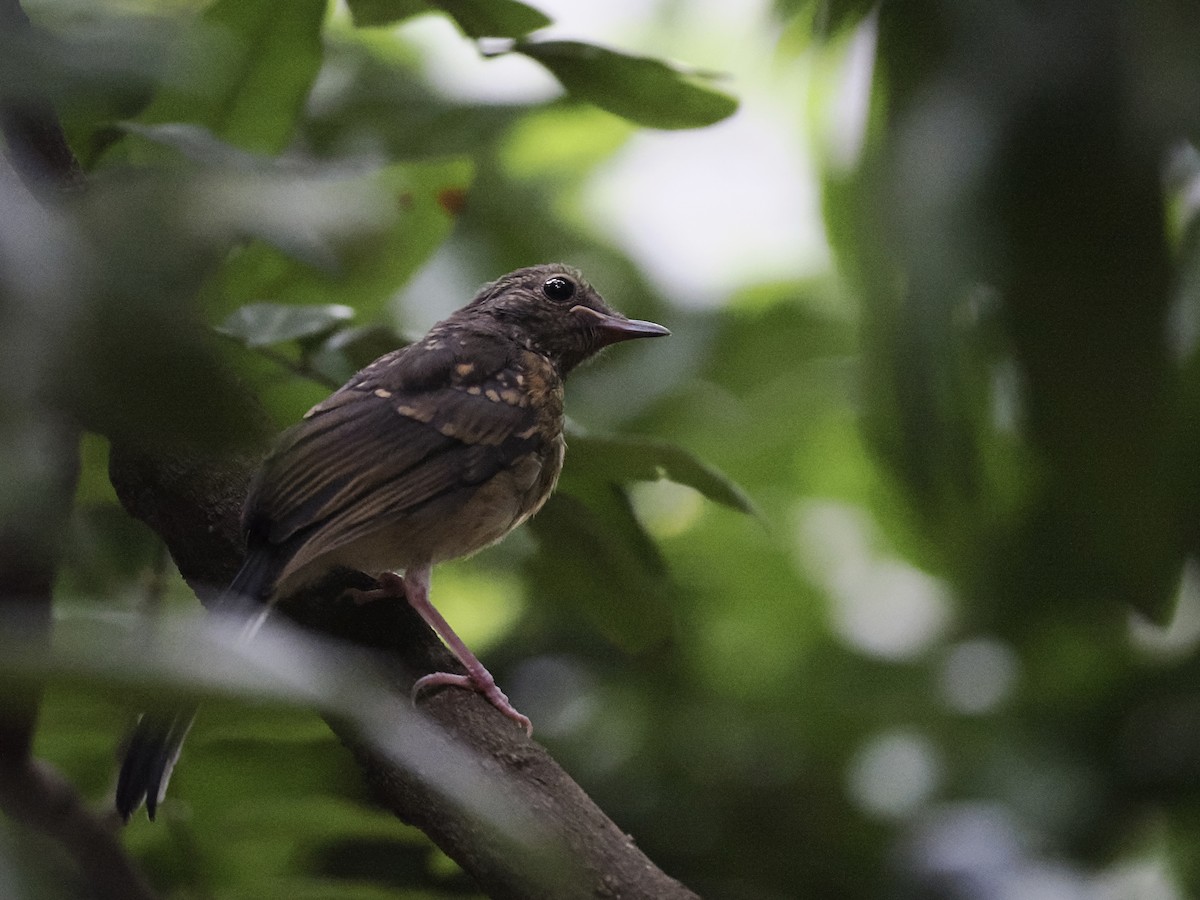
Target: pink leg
416, 588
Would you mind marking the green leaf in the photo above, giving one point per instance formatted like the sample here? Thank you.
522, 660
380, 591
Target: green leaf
596, 556
493, 18
623, 459
372, 261
476, 18
369, 100
647, 91
93, 68
108, 549
264, 324
370, 13
246, 77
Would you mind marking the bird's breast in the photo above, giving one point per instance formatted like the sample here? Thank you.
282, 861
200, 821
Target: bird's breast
505, 501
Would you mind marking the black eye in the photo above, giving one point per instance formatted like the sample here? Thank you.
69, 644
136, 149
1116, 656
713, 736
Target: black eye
559, 289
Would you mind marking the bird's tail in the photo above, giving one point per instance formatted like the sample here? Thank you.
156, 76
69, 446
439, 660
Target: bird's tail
157, 739
150, 755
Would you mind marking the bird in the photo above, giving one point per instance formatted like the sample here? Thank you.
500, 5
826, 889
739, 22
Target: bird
430, 453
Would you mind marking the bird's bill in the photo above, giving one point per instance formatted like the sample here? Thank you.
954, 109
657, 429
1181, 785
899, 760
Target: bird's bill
614, 328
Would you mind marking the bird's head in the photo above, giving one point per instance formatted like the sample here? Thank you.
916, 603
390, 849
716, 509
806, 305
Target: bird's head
552, 310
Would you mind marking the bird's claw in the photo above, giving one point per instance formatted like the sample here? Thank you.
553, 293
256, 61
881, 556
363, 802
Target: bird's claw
490, 690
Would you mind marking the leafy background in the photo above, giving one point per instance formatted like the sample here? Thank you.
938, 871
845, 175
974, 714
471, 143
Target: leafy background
875, 579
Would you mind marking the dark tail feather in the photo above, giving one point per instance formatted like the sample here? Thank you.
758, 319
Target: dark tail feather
249, 587
157, 739
149, 758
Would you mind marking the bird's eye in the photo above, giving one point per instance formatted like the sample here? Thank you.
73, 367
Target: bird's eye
559, 289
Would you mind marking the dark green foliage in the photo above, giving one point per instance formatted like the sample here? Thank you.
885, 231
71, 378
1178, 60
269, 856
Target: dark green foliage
646, 91
621, 460
251, 67
264, 324
261, 185
476, 18
969, 461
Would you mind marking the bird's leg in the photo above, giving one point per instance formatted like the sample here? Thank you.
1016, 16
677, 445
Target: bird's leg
416, 588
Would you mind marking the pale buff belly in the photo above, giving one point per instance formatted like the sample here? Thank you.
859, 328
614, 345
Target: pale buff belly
455, 525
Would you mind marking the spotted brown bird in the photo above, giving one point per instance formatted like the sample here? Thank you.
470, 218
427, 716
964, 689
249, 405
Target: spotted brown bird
430, 453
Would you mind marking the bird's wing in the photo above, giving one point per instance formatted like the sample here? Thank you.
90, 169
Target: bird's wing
370, 454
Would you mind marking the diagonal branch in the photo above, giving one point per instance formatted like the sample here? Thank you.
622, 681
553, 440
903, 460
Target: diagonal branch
193, 505
34, 794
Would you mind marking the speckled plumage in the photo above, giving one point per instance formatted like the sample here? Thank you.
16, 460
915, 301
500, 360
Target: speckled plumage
410, 465
430, 453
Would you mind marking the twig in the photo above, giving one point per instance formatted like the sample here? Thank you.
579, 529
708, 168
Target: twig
34, 794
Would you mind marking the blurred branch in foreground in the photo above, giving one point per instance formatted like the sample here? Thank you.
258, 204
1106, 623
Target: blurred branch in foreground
40, 446
184, 500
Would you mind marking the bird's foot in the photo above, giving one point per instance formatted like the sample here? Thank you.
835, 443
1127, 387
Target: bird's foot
391, 587
483, 684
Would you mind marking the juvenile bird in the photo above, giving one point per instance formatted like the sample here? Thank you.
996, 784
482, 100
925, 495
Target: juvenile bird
430, 453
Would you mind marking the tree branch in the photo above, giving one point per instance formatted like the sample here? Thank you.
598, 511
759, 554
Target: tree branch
35, 794
193, 505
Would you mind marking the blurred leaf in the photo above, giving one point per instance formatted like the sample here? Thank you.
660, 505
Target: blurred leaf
641, 89
285, 665
623, 459
96, 65
348, 350
595, 556
199, 145
827, 18
109, 550
258, 61
142, 380
476, 18
300, 208
263, 324
493, 18
366, 102
369, 13
371, 261
1081, 273
192, 658
144, 370
562, 142
117, 339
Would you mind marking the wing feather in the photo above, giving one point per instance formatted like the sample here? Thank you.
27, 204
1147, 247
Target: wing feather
371, 459
434, 419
